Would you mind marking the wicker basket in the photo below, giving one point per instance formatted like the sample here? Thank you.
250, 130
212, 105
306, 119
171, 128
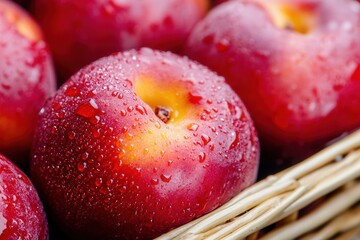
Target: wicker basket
318, 198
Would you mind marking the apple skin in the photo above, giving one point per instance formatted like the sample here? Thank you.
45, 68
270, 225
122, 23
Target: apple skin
21, 213
108, 168
82, 31
300, 89
26, 80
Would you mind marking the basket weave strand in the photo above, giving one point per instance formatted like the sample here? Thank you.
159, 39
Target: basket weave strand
332, 175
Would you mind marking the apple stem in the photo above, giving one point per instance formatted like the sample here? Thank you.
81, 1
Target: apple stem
163, 113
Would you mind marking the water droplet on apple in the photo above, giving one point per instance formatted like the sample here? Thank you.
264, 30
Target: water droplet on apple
96, 133
85, 155
72, 91
98, 182
154, 181
130, 108
109, 182
140, 109
123, 113
56, 106
123, 189
88, 109
71, 136
81, 166
223, 45
193, 127
205, 138
94, 120
194, 98
235, 139
146, 150
202, 157
208, 39
157, 124
53, 130
6, 86
165, 178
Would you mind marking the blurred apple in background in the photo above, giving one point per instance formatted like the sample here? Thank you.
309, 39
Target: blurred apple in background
81, 31
140, 142
295, 64
26, 80
21, 212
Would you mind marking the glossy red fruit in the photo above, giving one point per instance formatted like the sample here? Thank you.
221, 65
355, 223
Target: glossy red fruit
140, 142
81, 31
21, 212
26, 80
296, 67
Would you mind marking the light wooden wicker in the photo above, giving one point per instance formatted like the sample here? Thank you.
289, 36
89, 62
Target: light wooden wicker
317, 199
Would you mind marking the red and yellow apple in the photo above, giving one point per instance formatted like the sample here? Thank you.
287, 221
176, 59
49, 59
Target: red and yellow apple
26, 80
140, 142
295, 64
81, 31
21, 212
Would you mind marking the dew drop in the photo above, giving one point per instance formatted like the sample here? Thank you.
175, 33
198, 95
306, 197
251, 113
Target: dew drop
87, 110
81, 166
53, 130
96, 133
154, 181
165, 178
193, 127
5, 86
109, 182
123, 113
223, 45
205, 138
56, 106
94, 120
130, 108
72, 91
208, 39
146, 150
98, 182
202, 157
85, 155
140, 109
123, 189
195, 99
71, 136
235, 142
157, 124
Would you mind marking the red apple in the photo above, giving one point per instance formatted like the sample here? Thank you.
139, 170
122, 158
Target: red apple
140, 142
26, 80
81, 31
295, 64
21, 212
